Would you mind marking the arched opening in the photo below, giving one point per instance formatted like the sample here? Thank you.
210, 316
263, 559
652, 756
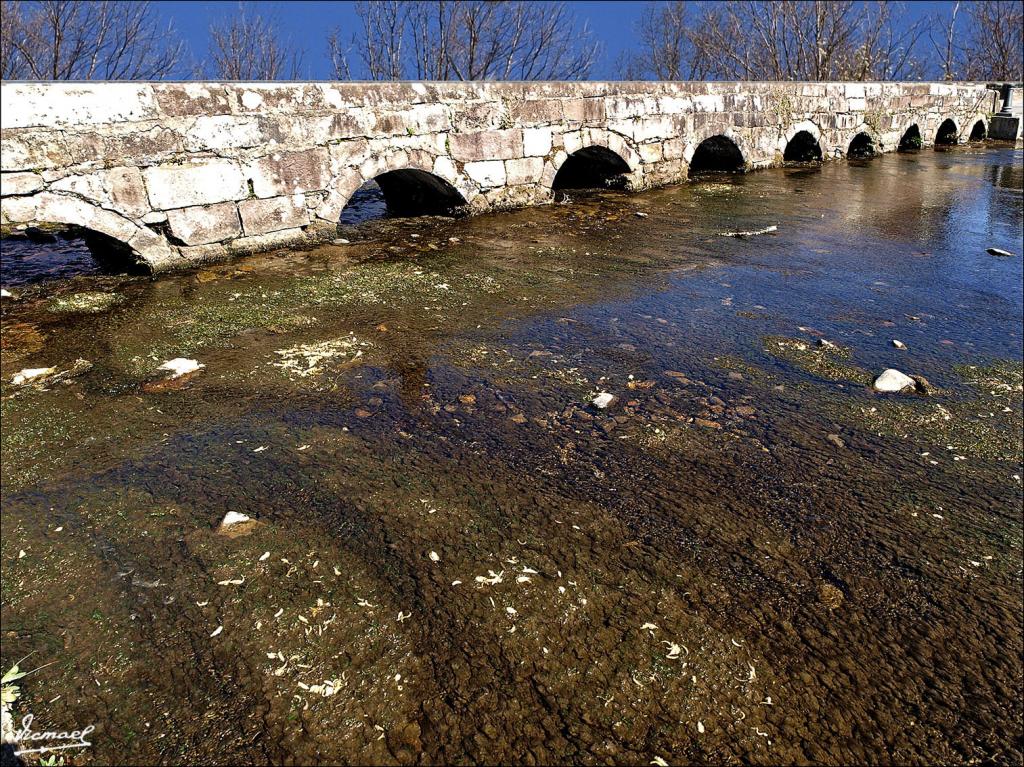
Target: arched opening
717, 154
402, 193
946, 134
861, 147
803, 147
911, 140
49, 252
978, 132
593, 167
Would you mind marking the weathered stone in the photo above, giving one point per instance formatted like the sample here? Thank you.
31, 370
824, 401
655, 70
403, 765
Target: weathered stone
486, 145
536, 142
119, 188
196, 182
273, 214
222, 132
289, 172
487, 173
205, 224
525, 171
20, 183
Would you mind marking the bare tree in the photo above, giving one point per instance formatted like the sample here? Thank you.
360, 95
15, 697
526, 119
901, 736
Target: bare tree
473, 40
780, 40
945, 48
995, 44
667, 49
247, 47
101, 39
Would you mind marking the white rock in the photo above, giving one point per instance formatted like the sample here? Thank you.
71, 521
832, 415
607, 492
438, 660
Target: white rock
892, 380
998, 252
898, 344
234, 518
5, 293
30, 374
179, 366
603, 400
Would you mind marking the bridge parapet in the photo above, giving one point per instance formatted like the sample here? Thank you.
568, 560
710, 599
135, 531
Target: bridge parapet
184, 173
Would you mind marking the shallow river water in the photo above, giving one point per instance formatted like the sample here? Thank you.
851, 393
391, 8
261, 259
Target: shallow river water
749, 556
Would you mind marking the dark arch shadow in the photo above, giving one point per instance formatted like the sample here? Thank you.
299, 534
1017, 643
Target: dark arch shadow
717, 154
593, 167
861, 147
978, 132
946, 134
803, 147
911, 140
403, 193
36, 253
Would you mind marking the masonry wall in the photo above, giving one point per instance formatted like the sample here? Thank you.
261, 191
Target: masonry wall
191, 172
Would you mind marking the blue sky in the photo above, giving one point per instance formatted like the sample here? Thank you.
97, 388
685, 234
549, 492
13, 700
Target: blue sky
307, 22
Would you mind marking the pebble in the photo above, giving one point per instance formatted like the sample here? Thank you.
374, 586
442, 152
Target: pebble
836, 440
998, 252
898, 344
603, 400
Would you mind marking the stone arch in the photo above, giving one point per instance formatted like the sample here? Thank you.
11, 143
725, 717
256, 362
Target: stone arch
979, 130
911, 139
414, 183
592, 167
806, 133
719, 153
138, 244
592, 141
861, 146
948, 133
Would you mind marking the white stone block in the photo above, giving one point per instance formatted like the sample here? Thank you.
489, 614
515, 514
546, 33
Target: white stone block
20, 183
536, 142
203, 224
488, 173
196, 182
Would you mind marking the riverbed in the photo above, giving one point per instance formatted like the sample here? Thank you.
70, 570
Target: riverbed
455, 556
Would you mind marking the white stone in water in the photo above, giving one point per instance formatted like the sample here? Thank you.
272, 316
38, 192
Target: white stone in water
234, 518
892, 380
998, 252
30, 374
179, 366
603, 400
898, 344
5, 293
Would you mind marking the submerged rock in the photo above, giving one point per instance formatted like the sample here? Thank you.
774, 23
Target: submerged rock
30, 375
47, 376
236, 524
892, 380
603, 400
180, 366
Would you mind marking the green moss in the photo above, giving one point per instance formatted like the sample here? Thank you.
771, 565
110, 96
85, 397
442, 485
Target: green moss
822, 359
89, 302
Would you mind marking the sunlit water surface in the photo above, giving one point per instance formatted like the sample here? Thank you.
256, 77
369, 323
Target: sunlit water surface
749, 556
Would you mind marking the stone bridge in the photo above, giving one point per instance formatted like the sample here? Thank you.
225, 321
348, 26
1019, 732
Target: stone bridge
176, 174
